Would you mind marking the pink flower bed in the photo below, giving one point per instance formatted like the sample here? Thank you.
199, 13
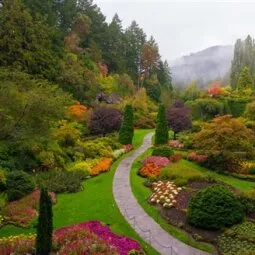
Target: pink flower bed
89, 238
23, 211
175, 144
156, 160
196, 157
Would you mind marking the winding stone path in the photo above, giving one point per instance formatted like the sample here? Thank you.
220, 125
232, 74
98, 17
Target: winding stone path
141, 222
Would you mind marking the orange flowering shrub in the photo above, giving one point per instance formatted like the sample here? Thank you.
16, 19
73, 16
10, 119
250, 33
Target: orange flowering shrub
78, 112
149, 170
103, 166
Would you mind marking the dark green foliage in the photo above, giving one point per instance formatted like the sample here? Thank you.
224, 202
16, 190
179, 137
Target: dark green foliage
161, 133
248, 202
61, 181
45, 224
18, 184
162, 151
215, 207
237, 106
127, 130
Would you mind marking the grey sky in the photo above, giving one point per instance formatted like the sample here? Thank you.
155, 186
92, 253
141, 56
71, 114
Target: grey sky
181, 27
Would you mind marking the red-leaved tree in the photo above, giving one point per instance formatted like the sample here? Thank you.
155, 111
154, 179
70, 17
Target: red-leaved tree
179, 117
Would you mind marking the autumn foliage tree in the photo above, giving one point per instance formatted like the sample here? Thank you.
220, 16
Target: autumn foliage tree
104, 120
179, 117
215, 89
78, 112
224, 134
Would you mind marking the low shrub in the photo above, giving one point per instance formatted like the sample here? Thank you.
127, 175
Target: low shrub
2, 179
95, 149
198, 158
175, 158
80, 166
149, 170
175, 144
61, 181
104, 165
162, 151
118, 153
215, 207
186, 140
18, 185
157, 160
248, 201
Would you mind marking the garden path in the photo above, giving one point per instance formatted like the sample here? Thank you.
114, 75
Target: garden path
141, 222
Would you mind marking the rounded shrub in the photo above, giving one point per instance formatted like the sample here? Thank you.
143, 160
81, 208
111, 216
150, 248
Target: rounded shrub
215, 207
162, 151
18, 185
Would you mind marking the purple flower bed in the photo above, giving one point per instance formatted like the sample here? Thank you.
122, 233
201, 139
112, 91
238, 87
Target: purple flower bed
123, 244
157, 160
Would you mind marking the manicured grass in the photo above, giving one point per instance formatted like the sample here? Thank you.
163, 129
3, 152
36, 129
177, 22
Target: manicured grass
142, 193
95, 202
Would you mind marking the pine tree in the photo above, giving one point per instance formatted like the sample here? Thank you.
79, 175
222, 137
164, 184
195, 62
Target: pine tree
161, 134
127, 131
45, 224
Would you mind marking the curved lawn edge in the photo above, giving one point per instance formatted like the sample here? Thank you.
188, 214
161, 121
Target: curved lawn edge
141, 193
80, 207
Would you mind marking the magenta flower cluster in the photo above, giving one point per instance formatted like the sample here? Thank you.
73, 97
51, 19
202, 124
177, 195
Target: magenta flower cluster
122, 244
157, 160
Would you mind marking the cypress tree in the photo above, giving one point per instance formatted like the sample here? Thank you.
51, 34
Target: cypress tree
45, 224
161, 134
127, 130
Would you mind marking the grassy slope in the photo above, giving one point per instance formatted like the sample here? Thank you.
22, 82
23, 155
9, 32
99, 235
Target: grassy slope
95, 202
142, 193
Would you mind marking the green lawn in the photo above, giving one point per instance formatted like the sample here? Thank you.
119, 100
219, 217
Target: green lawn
142, 193
95, 202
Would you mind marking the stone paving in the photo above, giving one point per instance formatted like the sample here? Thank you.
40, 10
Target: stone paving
141, 222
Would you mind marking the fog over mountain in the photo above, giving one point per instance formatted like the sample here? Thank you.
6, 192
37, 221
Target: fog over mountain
210, 64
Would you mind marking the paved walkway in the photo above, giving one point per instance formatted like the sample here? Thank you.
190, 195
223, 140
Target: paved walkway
143, 224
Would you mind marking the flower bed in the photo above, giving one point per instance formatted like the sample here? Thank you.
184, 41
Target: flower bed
90, 238
103, 166
175, 144
164, 193
157, 160
128, 147
149, 170
22, 212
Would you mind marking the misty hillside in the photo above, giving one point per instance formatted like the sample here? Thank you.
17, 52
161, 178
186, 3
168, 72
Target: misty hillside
209, 64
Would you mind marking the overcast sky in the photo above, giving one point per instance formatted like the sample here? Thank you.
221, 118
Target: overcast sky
181, 27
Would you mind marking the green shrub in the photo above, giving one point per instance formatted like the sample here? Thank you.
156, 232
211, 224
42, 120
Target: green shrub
161, 133
19, 184
95, 149
2, 179
186, 140
248, 201
144, 122
61, 181
215, 207
127, 130
81, 166
162, 151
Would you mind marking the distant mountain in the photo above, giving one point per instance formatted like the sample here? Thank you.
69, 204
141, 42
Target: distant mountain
210, 64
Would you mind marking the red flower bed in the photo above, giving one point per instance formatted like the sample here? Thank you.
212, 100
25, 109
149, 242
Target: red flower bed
157, 160
175, 144
149, 170
175, 158
22, 212
128, 147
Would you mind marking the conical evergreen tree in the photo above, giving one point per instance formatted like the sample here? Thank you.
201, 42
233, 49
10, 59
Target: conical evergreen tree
161, 134
245, 79
45, 224
127, 130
